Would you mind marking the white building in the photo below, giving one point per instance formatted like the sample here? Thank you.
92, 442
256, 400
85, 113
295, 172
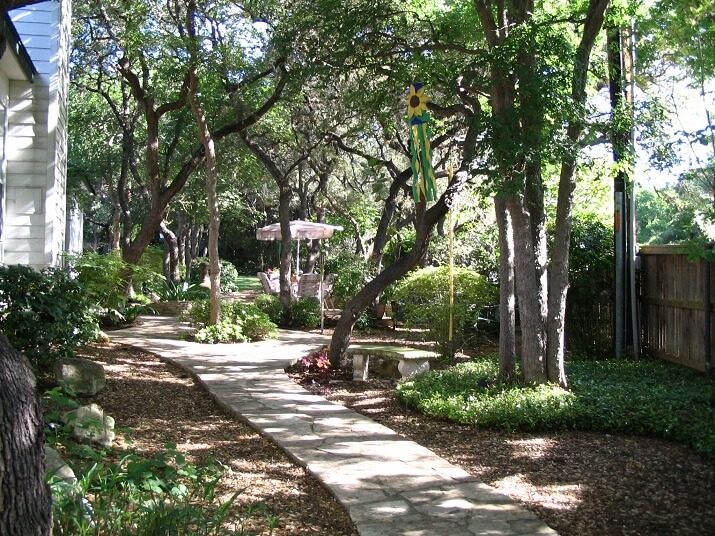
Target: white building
34, 76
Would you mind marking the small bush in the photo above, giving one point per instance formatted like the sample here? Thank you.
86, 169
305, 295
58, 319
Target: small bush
305, 313
272, 306
223, 331
352, 273
424, 295
640, 397
171, 292
160, 495
316, 362
45, 315
252, 323
230, 280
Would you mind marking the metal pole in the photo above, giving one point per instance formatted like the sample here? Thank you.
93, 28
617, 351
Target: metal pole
322, 277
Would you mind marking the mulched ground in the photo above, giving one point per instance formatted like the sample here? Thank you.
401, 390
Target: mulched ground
583, 484
155, 403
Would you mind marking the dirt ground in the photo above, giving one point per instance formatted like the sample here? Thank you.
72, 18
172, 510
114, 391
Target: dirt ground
155, 403
581, 484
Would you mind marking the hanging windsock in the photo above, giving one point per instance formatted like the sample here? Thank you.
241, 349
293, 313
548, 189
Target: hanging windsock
423, 181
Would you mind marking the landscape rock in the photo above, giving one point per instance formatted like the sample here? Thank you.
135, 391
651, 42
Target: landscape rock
84, 377
91, 424
56, 465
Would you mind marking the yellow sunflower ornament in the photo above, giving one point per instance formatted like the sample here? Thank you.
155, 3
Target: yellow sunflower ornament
423, 180
416, 101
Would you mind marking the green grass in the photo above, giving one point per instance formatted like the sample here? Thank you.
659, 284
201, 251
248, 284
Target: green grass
639, 397
248, 282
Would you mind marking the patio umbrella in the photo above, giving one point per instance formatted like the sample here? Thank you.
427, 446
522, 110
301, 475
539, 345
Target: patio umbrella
299, 230
302, 230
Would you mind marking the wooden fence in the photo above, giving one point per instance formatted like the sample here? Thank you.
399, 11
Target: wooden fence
673, 305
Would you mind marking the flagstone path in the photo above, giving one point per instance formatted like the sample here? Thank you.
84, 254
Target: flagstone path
389, 485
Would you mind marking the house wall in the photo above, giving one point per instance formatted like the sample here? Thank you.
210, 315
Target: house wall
36, 150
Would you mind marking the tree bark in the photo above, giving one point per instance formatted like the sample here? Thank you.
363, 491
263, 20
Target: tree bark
559, 269
25, 500
507, 302
214, 216
171, 246
284, 197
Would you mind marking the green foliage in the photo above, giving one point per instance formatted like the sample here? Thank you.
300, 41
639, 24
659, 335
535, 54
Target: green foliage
44, 315
171, 292
272, 306
639, 397
352, 273
163, 494
664, 217
589, 296
305, 313
223, 331
102, 277
239, 322
230, 280
424, 295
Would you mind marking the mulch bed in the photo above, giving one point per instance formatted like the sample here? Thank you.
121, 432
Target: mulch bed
579, 483
155, 403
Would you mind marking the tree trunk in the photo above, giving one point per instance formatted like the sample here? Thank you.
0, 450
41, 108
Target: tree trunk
507, 312
284, 198
214, 216
25, 501
533, 336
559, 269
171, 245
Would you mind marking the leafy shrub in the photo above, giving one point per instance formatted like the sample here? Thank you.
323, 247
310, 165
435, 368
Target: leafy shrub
589, 295
634, 396
352, 273
230, 280
248, 320
44, 314
305, 313
424, 295
272, 306
172, 292
160, 495
102, 277
223, 331
316, 362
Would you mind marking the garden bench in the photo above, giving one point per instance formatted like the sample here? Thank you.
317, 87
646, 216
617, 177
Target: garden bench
410, 360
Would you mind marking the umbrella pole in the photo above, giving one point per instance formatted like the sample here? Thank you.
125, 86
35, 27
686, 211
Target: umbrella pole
297, 259
322, 277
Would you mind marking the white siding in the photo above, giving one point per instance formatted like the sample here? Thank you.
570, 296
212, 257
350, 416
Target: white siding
37, 139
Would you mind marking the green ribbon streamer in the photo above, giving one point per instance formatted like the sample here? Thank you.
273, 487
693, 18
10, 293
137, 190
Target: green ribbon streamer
424, 184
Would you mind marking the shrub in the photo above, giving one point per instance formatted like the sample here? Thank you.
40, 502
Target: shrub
252, 323
305, 313
316, 362
45, 315
160, 495
634, 396
171, 292
272, 306
101, 276
352, 273
223, 331
229, 275
424, 295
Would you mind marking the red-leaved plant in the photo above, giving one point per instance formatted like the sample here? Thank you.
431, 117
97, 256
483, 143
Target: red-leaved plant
315, 362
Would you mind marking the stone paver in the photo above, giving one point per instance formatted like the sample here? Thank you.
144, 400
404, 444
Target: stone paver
389, 485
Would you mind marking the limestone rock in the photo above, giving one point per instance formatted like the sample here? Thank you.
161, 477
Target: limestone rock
56, 465
91, 424
82, 376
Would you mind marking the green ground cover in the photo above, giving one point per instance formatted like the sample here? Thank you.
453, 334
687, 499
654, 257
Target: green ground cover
247, 282
631, 396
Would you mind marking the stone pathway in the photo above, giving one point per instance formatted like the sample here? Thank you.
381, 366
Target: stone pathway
389, 485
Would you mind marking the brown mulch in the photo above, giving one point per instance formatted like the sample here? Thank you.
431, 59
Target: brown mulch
579, 483
155, 403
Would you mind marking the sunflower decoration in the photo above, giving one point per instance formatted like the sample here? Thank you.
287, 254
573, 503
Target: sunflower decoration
423, 180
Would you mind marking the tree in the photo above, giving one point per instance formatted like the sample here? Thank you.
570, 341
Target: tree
24, 494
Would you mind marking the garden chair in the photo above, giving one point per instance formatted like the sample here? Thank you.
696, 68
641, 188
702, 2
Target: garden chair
267, 283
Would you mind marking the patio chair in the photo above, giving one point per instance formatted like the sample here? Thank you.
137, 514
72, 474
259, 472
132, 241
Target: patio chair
267, 283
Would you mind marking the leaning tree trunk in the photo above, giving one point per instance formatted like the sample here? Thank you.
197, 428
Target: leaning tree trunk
284, 197
171, 253
25, 501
